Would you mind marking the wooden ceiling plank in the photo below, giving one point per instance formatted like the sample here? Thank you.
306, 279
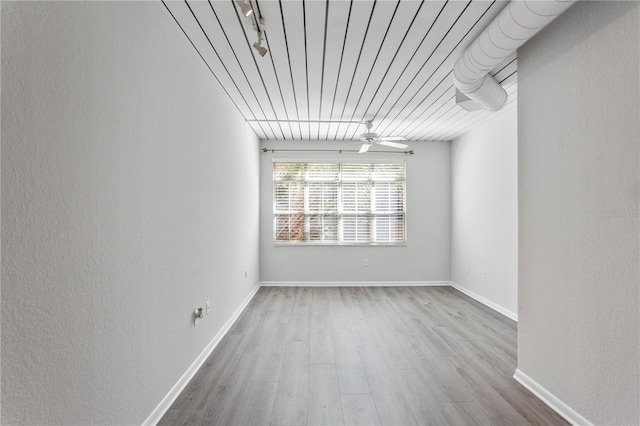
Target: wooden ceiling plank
444, 131
216, 38
348, 60
438, 110
358, 24
223, 69
293, 29
391, 34
257, 130
336, 37
381, 20
448, 113
360, 29
178, 11
439, 95
424, 16
315, 15
278, 44
240, 35
277, 57
389, 109
397, 34
424, 98
462, 31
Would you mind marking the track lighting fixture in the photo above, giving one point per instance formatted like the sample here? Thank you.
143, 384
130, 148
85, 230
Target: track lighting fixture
258, 45
245, 7
258, 26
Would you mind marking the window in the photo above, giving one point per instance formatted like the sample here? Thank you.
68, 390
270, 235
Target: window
339, 203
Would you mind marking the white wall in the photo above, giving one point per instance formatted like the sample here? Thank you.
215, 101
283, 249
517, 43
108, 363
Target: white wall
117, 148
424, 258
484, 212
579, 187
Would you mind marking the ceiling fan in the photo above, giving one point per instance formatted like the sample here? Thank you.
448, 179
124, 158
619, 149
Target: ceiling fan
368, 138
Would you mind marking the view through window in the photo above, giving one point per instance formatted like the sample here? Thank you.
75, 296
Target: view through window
339, 203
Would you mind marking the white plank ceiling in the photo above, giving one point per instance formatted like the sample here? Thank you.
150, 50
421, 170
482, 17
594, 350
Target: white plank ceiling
333, 64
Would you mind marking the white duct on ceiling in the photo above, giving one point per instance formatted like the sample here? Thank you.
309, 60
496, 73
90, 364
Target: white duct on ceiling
519, 21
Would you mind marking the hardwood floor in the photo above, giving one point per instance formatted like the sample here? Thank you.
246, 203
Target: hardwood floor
362, 356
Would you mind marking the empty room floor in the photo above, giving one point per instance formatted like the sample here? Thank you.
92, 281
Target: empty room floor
362, 356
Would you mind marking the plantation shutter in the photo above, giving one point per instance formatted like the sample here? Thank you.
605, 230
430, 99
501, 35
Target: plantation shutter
339, 203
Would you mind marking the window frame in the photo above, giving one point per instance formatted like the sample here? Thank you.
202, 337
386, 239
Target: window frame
339, 213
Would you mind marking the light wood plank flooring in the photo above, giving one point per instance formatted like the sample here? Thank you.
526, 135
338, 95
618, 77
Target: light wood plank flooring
362, 356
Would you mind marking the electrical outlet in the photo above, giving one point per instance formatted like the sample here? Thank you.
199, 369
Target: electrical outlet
245, 275
208, 307
366, 262
197, 315
483, 273
466, 268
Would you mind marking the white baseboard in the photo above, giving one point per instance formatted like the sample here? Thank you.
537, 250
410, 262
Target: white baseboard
175, 391
550, 399
507, 313
353, 283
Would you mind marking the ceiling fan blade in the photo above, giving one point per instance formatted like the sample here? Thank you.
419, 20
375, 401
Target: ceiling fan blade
364, 148
393, 138
393, 144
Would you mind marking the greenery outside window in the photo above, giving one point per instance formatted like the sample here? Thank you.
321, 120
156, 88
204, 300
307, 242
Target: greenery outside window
339, 203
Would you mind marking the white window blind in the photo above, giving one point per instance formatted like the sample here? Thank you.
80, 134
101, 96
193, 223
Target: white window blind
339, 203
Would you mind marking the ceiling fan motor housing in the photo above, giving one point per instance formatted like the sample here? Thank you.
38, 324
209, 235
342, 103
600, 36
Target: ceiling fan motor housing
369, 136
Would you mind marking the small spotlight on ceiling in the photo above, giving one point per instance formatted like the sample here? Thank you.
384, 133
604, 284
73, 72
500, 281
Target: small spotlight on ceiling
258, 45
260, 48
245, 7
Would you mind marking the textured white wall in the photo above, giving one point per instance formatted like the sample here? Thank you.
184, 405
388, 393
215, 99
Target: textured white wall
117, 218
426, 257
579, 189
484, 212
